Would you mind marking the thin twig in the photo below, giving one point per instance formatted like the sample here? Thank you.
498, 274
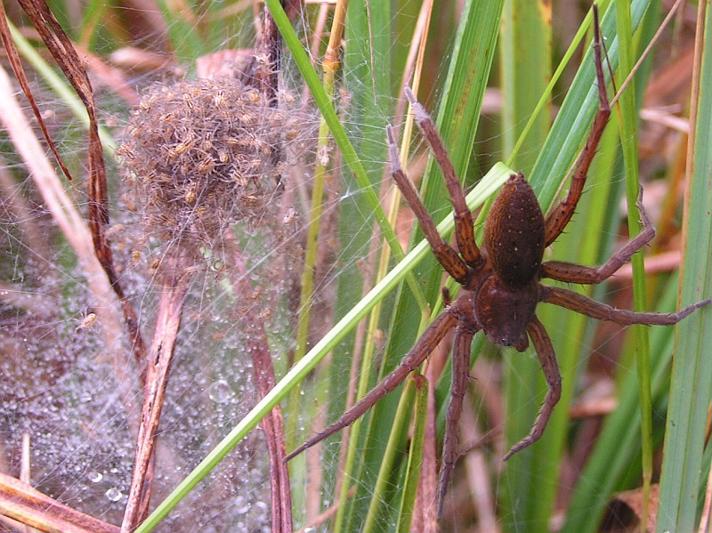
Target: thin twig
645, 53
26, 469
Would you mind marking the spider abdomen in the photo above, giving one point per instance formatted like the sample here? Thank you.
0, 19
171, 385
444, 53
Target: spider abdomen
514, 233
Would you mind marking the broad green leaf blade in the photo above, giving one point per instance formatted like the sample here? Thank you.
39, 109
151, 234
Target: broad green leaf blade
525, 63
691, 385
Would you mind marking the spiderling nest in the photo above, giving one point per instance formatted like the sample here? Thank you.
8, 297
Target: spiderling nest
202, 154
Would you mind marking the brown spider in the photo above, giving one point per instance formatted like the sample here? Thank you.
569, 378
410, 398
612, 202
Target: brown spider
500, 281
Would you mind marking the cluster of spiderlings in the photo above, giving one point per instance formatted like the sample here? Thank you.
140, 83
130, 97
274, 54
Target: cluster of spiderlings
202, 154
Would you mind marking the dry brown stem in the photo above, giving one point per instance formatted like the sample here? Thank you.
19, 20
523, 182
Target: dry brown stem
27, 505
272, 424
159, 364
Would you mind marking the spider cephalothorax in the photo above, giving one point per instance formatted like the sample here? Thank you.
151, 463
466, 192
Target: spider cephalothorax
501, 282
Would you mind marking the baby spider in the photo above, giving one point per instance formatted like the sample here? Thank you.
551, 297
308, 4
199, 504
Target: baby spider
501, 281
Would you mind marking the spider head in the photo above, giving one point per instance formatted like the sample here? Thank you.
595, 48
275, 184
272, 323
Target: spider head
503, 313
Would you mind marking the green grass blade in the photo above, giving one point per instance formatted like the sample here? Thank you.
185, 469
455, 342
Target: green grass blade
618, 444
628, 133
573, 122
415, 454
396, 440
525, 64
538, 467
293, 411
691, 384
367, 77
94, 12
182, 32
602, 474
367, 193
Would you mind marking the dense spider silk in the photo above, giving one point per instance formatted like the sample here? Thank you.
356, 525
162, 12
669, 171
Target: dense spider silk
62, 388
70, 399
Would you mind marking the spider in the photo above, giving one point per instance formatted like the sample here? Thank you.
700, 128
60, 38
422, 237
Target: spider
500, 281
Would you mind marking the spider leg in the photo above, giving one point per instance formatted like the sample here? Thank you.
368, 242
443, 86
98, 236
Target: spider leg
464, 224
427, 342
445, 254
559, 217
547, 359
572, 273
586, 306
460, 373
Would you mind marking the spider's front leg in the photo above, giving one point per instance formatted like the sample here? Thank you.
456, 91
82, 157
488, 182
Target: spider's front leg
560, 216
573, 273
547, 359
445, 254
464, 223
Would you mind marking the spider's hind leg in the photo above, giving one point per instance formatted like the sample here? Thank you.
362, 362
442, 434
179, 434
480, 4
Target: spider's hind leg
460, 375
547, 359
427, 342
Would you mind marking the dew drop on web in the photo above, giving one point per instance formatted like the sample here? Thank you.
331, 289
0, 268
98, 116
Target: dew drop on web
113, 494
220, 391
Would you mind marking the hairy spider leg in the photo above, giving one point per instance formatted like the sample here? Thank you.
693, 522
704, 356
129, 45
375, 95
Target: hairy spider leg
445, 254
464, 224
461, 347
573, 273
586, 306
547, 360
432, 336
559, 217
